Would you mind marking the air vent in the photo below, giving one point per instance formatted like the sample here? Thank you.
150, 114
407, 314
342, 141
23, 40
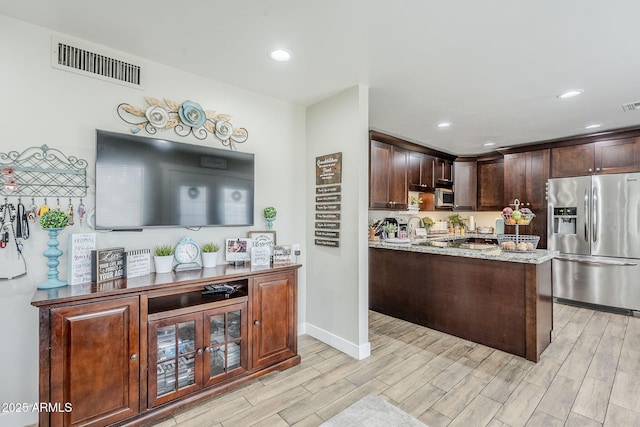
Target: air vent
90, 61
631, 106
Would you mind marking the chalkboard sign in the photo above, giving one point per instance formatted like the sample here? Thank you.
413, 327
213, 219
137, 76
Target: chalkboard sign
107, 264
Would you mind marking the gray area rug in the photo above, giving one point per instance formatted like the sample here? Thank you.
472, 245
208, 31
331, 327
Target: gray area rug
372, 411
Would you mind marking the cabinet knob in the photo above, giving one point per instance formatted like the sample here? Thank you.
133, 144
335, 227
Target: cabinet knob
257, 323
199, 351
207, 349
597, 169
134, 356
590, 170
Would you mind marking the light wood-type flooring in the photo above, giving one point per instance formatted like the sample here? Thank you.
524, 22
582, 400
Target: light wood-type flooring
588, 376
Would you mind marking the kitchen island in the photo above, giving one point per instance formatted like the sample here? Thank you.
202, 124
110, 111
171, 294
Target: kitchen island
492, 297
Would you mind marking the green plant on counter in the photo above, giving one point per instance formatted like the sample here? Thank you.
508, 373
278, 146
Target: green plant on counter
456, 220
415, 200
54, 219
390, 227
163, 250
269, 212
210, 247
427, 222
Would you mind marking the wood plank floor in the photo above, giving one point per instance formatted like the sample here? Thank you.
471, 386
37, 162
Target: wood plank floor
588, 376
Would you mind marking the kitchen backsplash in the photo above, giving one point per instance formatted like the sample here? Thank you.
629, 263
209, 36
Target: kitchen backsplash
481, 219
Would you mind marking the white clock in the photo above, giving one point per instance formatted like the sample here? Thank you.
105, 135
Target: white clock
187, 254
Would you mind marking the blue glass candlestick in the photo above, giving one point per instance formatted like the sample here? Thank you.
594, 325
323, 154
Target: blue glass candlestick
53, 253
270, 223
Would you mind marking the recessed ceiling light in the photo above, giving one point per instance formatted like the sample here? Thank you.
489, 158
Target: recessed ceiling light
444, 125
570, 93
593, 126
281, 55
488, 144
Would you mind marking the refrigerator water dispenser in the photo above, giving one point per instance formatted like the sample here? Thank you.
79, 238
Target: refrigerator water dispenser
564, 220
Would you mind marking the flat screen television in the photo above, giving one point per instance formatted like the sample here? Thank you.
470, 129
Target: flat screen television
144, 182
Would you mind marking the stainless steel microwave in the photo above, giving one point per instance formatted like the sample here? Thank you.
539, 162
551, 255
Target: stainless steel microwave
443, 198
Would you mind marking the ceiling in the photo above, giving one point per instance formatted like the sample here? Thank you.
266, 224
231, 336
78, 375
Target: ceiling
492, 68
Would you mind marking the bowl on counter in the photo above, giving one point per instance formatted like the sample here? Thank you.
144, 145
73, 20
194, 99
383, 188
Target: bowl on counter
484, 230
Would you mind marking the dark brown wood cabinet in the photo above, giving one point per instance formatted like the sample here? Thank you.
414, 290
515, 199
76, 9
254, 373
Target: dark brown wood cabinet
273, 313
134, 351
93, 362
388, 185
444, 173
421, 171
491, 185
602, 157
466, 186
525, 179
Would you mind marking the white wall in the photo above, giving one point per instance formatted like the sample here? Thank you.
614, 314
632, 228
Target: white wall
337, 278
41, 105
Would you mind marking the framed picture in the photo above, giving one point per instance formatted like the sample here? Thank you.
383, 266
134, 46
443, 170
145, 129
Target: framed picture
281, 254
262, 239
260, 255
237, 249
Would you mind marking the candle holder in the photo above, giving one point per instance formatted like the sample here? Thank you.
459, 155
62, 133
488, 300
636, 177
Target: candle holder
53, 253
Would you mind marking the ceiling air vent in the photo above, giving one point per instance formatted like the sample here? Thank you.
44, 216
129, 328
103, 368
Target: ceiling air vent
631, 106
94, 62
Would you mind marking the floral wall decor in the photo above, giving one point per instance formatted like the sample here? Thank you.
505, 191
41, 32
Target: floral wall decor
186, 118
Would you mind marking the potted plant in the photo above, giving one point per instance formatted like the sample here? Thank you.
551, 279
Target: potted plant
414, 203
390, 229
269, 214
163, 258
53, 221
427, 223
456, 222
209, 254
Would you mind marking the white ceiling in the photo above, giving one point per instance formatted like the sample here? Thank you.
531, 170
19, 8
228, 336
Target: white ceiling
492, 68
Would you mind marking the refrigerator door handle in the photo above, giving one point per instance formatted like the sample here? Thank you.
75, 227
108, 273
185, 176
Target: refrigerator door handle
592, 262
586, 215
594, 234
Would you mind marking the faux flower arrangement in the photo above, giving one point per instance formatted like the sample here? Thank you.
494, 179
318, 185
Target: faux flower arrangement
54, 219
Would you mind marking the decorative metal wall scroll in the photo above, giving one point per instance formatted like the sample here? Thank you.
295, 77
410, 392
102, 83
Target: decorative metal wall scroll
328, 200
43, 172
185, 119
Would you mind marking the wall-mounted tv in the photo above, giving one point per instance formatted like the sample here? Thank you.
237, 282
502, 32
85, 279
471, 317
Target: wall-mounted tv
146, 182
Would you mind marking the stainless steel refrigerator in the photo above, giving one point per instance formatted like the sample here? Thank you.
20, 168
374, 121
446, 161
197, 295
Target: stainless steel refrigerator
594, 222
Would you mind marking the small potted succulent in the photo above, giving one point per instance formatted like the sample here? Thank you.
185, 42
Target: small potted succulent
390, 229
427, 222
163, 258
269, 214
209, 254
414, 203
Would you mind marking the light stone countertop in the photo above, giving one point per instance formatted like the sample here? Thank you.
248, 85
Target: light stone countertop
536, 257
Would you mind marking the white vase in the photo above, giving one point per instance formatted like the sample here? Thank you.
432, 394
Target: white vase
163, 264
209, 259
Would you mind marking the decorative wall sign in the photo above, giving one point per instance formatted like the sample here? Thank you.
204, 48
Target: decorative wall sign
79, 256
107, 264
328, 199
328, 234
185, 119
329, 189
328, 216
138, 262
329, 169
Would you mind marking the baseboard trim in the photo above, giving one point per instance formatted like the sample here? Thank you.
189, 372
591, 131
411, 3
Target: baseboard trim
356, 351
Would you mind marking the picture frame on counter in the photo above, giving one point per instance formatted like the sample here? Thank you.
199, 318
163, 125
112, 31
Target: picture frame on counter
107, 264
265, 238
237, 249
260, 255
281, 254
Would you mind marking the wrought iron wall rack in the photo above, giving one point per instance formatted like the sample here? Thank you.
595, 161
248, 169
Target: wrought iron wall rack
45, 172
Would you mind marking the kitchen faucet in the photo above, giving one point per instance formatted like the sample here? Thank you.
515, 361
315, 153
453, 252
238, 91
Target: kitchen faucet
410, 227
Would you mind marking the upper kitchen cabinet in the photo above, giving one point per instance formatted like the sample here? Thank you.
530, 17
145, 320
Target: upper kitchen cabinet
525, 179
491, 184
421, 171
602, 157
443, 171
388, 168
466, 188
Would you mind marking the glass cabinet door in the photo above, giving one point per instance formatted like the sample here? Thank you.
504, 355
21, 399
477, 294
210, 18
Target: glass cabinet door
225, 339
174, 342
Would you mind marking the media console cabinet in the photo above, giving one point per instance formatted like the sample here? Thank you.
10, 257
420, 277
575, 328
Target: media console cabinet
127, 352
